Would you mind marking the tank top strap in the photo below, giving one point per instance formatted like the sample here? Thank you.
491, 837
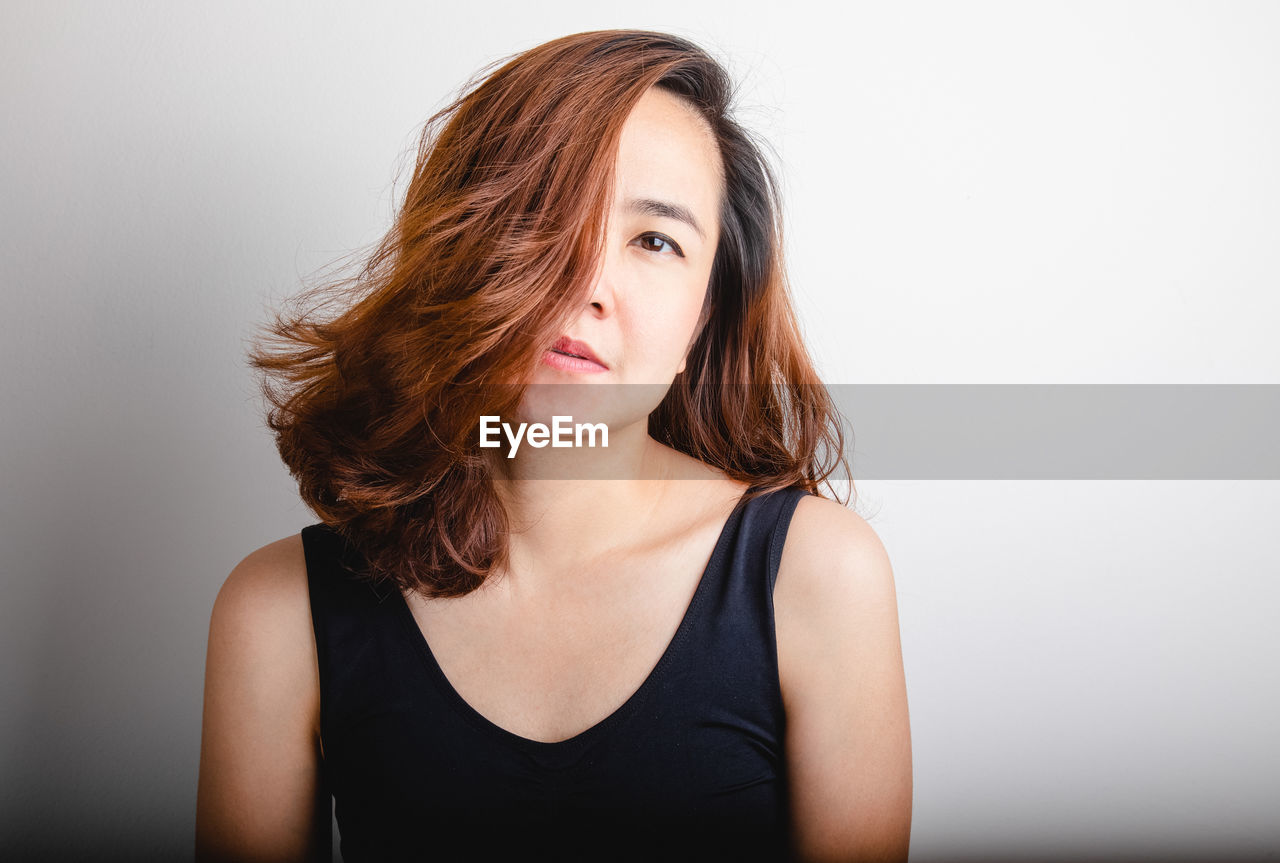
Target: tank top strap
752, 548
355, 628
733, 642
768, 524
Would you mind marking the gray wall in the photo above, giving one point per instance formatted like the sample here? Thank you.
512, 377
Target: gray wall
976, 193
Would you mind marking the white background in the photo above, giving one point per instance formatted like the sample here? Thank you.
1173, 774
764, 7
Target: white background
975, 193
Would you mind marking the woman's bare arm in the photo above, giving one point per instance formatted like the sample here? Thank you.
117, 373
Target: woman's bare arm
848, 736
260, 797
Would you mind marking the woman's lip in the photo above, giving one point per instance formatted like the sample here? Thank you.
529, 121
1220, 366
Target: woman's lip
571, 364
573, 347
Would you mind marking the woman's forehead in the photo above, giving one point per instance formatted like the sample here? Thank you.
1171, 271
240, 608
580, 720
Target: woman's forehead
667, 152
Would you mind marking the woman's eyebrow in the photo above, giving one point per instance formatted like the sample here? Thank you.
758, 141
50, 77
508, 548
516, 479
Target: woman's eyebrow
666, 210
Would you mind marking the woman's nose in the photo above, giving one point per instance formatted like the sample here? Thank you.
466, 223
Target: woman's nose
602, 296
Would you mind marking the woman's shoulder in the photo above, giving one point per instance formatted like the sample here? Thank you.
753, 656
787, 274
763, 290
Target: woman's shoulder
824, 532
260, 740
273, 577
841, 673
260, 628
834, 570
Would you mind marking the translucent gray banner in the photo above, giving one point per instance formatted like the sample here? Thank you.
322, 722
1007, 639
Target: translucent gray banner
1062, 431
963, 431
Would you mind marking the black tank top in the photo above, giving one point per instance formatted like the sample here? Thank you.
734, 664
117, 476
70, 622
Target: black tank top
690, 767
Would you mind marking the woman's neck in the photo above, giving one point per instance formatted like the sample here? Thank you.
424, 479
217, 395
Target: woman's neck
562, 511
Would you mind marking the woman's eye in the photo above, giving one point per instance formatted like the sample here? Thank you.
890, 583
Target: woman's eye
660, 240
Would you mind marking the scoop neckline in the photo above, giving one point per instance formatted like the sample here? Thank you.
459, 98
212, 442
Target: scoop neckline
584, 737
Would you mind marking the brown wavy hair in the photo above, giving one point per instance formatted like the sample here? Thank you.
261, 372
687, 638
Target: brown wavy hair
375, 407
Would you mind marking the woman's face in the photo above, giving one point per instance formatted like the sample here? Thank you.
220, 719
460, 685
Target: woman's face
663, 228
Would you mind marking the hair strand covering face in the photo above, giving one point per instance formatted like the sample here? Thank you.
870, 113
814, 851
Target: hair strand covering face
375, 407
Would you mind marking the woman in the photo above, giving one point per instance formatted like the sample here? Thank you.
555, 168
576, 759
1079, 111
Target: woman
669, 647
